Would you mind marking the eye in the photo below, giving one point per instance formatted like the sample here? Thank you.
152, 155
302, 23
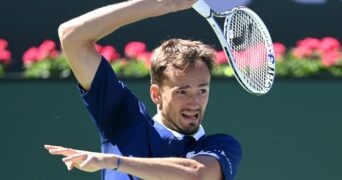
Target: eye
181, 92
203, 91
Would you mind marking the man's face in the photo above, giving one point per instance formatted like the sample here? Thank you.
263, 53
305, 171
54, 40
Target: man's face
184, 97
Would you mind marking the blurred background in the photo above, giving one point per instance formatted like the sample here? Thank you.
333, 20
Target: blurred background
291, 133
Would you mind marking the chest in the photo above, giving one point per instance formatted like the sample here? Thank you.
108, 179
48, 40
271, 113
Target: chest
148, 141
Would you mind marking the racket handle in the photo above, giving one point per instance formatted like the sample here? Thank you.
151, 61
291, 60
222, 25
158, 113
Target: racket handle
202, 8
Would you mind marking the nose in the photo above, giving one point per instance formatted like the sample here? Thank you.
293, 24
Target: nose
194, 102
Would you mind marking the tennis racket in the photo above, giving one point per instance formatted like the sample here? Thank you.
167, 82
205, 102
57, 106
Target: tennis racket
246, 42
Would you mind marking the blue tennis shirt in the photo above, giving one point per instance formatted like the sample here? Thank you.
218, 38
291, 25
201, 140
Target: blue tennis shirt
126, 129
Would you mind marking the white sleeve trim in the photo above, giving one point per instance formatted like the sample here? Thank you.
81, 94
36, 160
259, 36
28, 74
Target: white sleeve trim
214, 153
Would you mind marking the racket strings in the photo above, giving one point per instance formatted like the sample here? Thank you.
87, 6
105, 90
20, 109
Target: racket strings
249, 49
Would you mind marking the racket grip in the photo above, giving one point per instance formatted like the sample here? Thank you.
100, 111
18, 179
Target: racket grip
202, 8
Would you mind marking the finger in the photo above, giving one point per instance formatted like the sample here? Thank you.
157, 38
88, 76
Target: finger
75, 157
87, 162
69, 165
58, 151
48, 147
62, 151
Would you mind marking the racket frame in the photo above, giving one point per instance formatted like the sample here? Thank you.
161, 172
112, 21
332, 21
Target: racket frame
203, 9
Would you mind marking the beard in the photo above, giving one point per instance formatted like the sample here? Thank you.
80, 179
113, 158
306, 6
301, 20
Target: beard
191, 129
188, 129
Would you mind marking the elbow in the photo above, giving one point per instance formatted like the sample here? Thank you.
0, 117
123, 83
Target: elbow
196, 172
69, 35
63, 33
199, 175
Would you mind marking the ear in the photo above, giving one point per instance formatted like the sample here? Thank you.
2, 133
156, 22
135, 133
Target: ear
155, 94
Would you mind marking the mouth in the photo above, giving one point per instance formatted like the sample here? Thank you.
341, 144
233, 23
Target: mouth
190, 116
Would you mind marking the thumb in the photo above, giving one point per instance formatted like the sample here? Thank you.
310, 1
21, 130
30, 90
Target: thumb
69, 165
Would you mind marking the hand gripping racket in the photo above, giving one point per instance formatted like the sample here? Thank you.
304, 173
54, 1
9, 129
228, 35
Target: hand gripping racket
246, 42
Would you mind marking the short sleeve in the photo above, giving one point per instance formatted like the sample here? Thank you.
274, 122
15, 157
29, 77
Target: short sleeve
111, 104
225, 149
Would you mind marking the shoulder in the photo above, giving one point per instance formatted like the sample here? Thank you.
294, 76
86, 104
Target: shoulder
223, 144
226, 149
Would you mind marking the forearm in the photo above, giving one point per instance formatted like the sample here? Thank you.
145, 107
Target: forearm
100, 22
159, 168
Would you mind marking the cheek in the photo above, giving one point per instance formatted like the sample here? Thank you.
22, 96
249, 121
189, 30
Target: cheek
173, 104
204, 100
167, 102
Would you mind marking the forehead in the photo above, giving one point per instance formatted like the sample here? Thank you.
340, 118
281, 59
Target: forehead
196, 74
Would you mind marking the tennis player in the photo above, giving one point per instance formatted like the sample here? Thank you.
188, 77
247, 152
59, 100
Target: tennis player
170, 145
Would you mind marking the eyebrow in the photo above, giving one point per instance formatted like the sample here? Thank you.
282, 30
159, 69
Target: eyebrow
188, 86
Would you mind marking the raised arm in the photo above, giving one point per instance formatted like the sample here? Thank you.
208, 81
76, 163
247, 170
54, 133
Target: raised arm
78, 36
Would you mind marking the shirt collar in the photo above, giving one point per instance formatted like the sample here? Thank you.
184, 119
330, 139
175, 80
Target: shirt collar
200, 132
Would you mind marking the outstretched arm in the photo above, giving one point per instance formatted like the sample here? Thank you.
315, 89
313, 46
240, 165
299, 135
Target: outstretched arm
79, 35
201, 167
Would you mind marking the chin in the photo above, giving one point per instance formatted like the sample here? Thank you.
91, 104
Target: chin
190, 129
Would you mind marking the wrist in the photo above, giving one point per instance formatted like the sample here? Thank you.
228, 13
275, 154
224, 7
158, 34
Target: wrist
117, 163
157, 7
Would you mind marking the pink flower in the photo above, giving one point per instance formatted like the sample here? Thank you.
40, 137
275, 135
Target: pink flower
47, 49
5, 56
306, 47
309, 43
98, 48
54, 54
132, 49
47, 45
303, 51
3, 44
42, 54
146, 57
110, 53
330, 58
279, 49
220, 57
329, 43
30, 55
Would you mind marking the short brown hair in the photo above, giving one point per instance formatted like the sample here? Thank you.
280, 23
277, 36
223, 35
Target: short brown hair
179, 54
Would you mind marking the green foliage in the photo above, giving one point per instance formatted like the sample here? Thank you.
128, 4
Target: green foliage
48, 68
336, 70
130, 68
223, 70
290, 66
298, 67
2, 70
311, 57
